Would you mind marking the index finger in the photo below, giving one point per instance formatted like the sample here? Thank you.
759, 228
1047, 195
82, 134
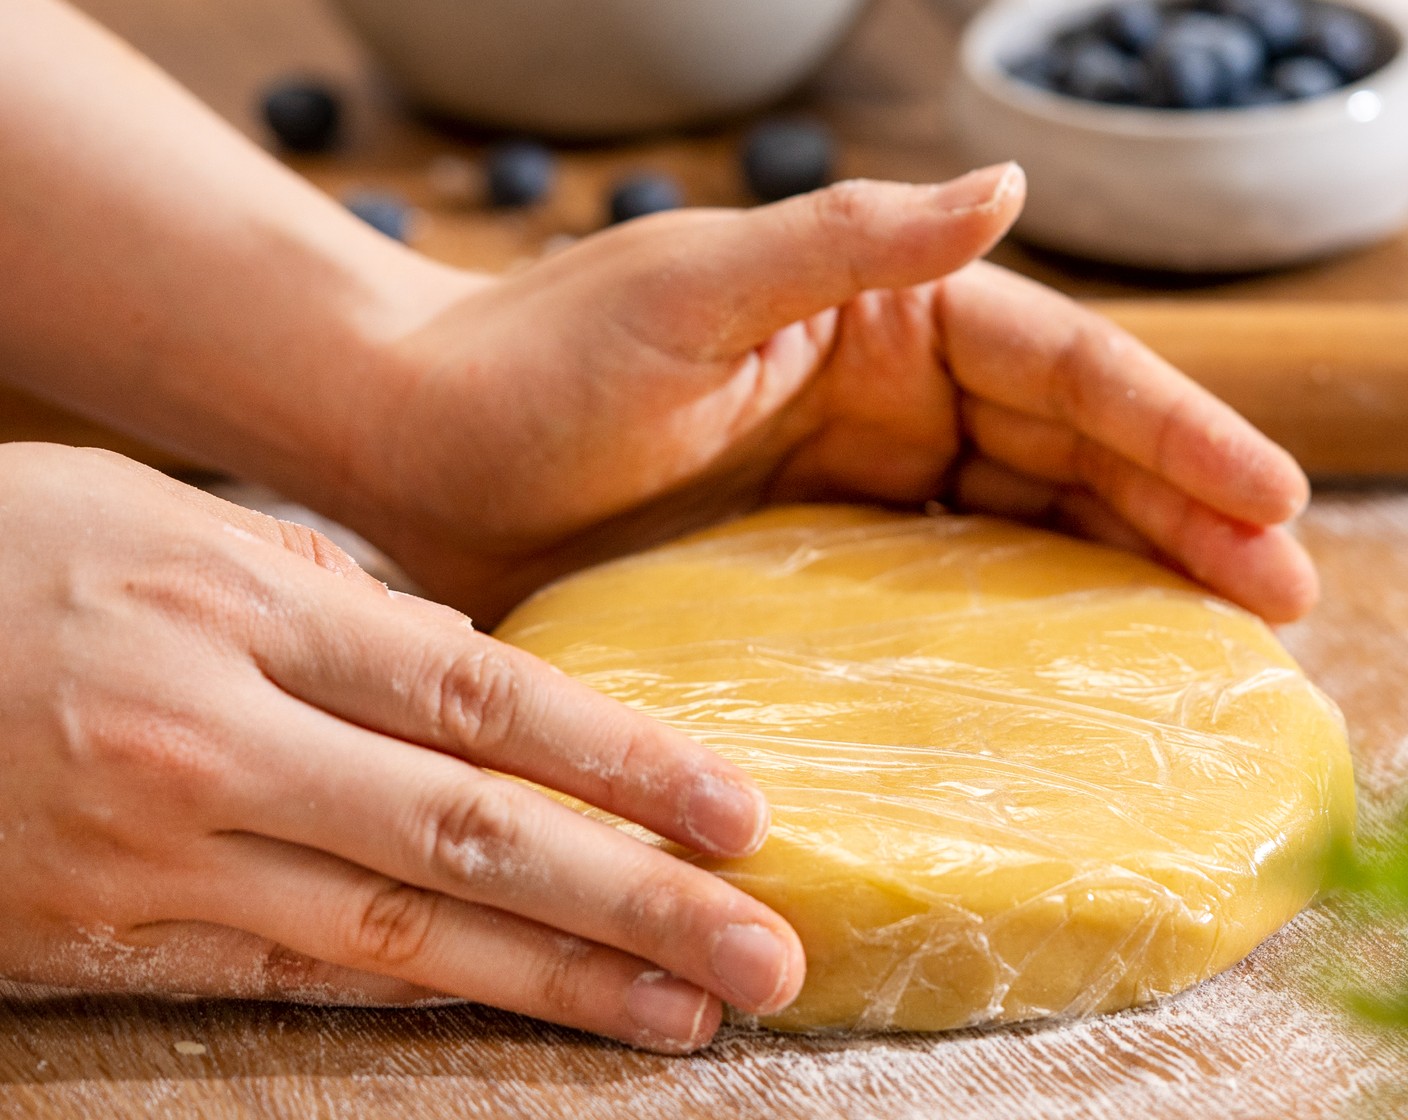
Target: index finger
421, 677
1016, 343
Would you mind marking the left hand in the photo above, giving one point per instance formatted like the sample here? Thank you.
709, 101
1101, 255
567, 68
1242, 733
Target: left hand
841, 345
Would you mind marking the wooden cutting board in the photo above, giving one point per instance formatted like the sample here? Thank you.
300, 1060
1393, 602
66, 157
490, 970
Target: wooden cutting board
1265, 1040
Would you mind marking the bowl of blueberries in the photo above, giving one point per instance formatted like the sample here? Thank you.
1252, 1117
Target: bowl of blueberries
1195, 136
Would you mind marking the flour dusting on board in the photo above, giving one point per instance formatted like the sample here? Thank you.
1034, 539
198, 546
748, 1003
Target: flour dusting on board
1177, 1052
1357, 646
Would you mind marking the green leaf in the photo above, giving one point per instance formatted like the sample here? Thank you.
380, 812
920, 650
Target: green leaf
1375, 878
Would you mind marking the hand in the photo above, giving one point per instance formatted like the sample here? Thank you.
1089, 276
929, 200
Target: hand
235, 764
697, 364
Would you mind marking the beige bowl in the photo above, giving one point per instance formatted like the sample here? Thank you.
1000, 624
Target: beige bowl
598, 67
1204, 191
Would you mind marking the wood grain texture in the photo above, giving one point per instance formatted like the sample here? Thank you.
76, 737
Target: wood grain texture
1264, 1040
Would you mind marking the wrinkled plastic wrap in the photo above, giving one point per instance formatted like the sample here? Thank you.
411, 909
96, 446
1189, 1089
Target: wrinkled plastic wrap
1012, 775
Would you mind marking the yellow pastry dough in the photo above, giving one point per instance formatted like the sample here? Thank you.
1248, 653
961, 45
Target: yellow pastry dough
1012, 775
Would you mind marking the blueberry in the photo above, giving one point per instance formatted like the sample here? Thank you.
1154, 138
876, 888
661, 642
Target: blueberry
1237, 50
644, 194
1034, 70
1131, 26
1061, 55
1257, 96
1344, 39
1280, 23
1097, 71
388, 213
1301, 77
304, 115
1207, 54
786, 157
1184, 79
518, 173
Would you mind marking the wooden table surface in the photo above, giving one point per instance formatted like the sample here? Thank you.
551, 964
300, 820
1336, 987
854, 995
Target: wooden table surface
1267, 1039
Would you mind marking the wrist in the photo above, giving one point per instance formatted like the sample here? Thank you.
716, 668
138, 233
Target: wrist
341, 406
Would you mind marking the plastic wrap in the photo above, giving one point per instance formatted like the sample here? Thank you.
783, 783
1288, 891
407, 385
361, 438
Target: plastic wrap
1012, 775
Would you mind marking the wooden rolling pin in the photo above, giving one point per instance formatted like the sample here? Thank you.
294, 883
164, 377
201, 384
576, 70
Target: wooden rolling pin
1328, 381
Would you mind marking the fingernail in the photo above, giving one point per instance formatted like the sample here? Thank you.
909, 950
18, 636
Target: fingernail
750, 963
666, 1008
1302, 500
984, 189
725, 816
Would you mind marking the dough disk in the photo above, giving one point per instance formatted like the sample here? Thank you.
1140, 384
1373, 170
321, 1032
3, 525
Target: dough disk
1012, 775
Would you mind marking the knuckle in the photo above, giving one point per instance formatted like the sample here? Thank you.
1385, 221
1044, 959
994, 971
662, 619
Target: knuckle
286, 974
392, 927
1066, 396
838, 212
315, 546
562, 982
477, 698
843, 207
102, 456
212, 583
471, 838
1171, 425
621, 776
160, 768
157, 749
653, 914
284, 971
1082, 385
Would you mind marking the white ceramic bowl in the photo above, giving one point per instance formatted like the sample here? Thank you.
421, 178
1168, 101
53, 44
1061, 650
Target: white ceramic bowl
598, 67
1188, 191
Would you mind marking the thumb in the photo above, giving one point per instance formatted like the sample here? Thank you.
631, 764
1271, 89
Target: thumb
792, 259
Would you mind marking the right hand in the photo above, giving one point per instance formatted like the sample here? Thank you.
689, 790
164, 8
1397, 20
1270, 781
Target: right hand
235, 765
845, 345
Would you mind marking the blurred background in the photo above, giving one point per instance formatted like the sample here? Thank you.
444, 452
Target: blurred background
875, 79
883, 88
